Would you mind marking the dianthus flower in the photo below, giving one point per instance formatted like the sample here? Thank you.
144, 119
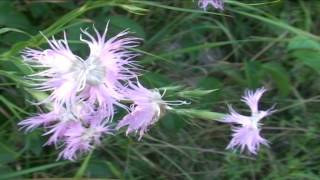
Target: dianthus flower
78, 129
248, 134
218, 4
148, 107
98, 79
55, 122
81, 138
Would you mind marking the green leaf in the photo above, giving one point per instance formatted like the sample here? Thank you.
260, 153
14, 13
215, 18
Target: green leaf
7, 153
201, 114
253, 73
280, 76
34, 143
84, 166
5, 169
98, 169
194, 93
134, 9
5, 30
10, 17
16, 110
115, 170
156, 79
172, 123
275, 22
31, 170
306, 50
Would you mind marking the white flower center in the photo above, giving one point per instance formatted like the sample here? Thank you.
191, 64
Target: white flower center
89, 72
156, 97
73, 114
94, 72
254, 121
66, 117
158, 105
88, 135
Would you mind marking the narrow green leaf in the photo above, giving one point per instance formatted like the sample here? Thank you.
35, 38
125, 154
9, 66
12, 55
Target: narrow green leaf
115, 170
195, 93
32, 170
201, 114
274, 21
13, 108
84, 166
5, 30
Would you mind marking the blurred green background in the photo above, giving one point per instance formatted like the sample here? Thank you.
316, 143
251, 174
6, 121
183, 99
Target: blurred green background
252, 43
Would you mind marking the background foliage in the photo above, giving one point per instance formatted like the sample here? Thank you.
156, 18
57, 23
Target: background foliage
252, 43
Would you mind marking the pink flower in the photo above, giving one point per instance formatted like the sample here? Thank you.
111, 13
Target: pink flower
58, 74
248, 134
81, 139
147, 109
99, 78
109, 64
55, 122
66, 119
78, 129
218, 4
34, 122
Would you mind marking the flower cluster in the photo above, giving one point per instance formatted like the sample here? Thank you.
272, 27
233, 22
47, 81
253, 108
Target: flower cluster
218, 4
84, 93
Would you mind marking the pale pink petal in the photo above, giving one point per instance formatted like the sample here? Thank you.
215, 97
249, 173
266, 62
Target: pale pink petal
59, 58
251, 98
80, 140
113, 54
139, 120
247, 138
246, 134
218, 4
148, 107
40, 120
235, 117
